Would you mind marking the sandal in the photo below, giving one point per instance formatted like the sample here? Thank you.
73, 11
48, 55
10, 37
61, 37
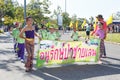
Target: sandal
27, 70
100, 62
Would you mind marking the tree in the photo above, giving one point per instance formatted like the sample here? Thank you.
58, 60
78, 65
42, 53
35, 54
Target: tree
56, 12
66, 19
13, 12
7, 11
1, 8
37, 9
18, 14
54, 17
91, 20
116, 16
74, 18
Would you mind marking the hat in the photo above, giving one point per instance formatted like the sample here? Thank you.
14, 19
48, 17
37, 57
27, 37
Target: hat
99, 16
56, 27
51, 27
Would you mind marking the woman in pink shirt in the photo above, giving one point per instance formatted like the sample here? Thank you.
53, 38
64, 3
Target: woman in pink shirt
101, 35
101, 19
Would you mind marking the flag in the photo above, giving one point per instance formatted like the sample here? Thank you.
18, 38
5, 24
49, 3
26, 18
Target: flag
76, 24
71, 24
110, 19
95, 24
84, 23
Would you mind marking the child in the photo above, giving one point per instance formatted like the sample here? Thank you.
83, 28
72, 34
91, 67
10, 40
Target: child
75, 36
43, 32
21, 47
29, 38
57, 33
101, 35
15, 32
51, 34
87, 32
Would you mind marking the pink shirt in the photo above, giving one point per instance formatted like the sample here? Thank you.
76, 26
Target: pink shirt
100, 33
104, 27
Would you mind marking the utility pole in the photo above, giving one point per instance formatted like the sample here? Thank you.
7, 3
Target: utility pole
24, 11
65, 6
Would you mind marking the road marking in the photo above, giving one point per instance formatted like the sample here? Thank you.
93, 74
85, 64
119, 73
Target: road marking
52, 76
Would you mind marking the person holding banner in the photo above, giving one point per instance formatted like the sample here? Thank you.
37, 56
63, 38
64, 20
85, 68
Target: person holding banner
75, 35
43, 32
101, 19
101, 35
51, 35
57, 33
29, 42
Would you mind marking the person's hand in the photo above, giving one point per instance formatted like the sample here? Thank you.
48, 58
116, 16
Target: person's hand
40, 38
96, 37
92, 34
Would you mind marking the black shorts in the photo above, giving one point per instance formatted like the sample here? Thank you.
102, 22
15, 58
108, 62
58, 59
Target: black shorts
87, 33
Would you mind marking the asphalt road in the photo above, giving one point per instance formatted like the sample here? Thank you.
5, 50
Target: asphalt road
12, 69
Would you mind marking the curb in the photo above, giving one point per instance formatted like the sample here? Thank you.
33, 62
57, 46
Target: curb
112, 42
108, 42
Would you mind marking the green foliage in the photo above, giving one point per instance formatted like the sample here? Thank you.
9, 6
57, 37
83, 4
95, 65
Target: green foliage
111, 37
13, 12
2, 8
18, 14
66, 19
74, 18
7, 11
37, 9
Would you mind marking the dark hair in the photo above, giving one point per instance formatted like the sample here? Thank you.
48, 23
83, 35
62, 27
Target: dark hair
100, 16
28, 18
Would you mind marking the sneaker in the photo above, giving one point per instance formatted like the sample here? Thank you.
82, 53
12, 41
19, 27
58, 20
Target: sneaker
22, 61
27, 70
99, 62
103, 56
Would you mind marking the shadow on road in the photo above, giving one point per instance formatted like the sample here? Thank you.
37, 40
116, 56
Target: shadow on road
5, 39
7, 59
113, 58
6, 52
77, 72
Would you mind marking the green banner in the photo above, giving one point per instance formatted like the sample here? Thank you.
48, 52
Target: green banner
62, 52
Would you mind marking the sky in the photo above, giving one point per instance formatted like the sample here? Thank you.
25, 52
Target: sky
85, 8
